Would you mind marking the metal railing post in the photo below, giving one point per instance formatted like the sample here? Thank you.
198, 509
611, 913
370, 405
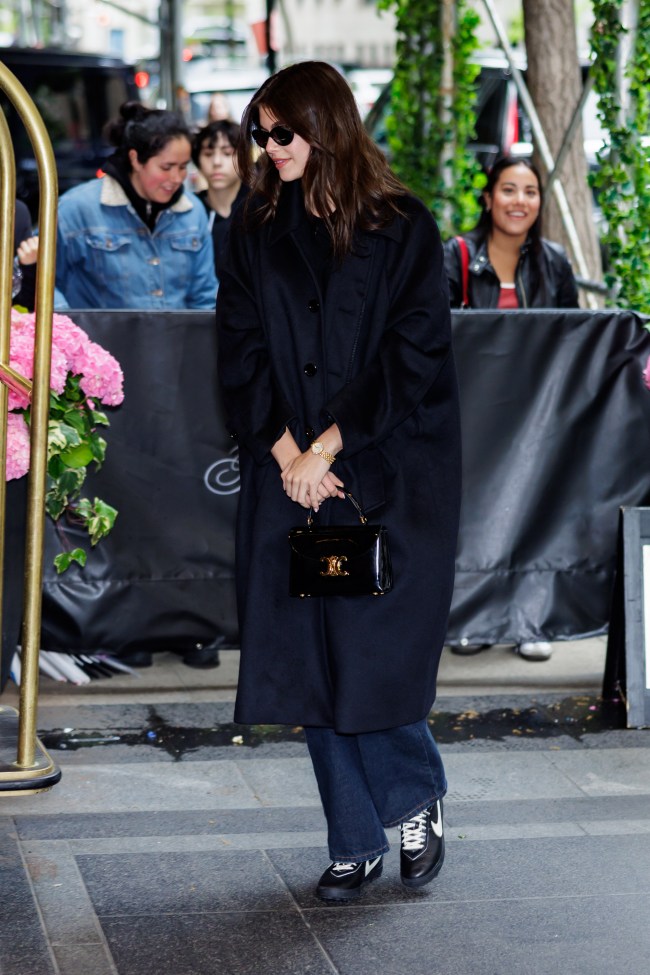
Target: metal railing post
30, 772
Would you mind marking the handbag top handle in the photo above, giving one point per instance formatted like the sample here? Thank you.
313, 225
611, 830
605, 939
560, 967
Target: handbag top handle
350, 497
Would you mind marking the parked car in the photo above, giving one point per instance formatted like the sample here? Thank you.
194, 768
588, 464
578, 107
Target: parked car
501, 124
367, 84
76, 95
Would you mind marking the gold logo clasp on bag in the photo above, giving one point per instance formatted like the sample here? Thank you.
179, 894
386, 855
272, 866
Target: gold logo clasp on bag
334, 565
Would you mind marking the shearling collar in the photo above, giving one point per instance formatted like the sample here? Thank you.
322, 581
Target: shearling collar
112, 195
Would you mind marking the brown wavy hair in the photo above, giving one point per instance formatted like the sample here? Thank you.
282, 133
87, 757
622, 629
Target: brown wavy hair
347, 180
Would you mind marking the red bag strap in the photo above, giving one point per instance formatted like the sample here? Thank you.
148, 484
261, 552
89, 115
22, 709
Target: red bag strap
464, 267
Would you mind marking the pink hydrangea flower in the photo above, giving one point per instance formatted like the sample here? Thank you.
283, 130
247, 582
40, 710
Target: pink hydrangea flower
646, 373
22, 355
17, 446
72, 352
101, 374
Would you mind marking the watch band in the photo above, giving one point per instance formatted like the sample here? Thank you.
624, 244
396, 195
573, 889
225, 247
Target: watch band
317, 448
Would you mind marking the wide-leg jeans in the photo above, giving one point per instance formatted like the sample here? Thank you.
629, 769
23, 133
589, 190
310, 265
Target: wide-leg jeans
373, 780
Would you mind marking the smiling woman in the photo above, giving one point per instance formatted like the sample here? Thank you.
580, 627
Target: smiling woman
134, 239
505, 262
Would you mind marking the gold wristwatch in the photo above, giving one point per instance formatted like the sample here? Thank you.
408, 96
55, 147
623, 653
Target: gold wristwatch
317, 448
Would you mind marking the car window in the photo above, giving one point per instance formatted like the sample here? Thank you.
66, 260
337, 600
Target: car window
76, 95
238, 99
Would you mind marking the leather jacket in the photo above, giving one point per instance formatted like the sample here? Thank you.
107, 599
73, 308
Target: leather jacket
554, 287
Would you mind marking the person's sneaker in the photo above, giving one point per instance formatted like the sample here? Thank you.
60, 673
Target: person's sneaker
468, 649
200, 657
343, 881
423, 847
535, 651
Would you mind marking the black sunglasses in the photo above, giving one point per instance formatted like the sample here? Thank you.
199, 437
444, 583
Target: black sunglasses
281, 134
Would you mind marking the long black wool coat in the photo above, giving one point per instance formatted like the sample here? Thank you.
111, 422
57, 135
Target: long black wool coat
373, 354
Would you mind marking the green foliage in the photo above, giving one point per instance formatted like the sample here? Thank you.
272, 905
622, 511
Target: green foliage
623, 178
428, 137
73, 443
64, 560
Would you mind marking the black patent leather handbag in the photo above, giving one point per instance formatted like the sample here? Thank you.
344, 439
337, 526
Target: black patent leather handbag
340, 560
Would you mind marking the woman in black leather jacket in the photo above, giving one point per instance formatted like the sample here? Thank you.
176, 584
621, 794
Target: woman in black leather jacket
510, 265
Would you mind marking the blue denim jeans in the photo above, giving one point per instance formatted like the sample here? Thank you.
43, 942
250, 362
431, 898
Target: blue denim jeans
371, 781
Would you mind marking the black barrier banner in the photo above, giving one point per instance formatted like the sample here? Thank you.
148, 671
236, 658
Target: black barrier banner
556, 423
164, 577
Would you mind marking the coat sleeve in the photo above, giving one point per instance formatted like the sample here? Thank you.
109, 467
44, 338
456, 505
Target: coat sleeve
23, 230
414, 347
454, 274
63, 268
256, 408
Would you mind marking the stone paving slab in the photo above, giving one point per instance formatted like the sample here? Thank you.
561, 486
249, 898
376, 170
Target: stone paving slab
478, 776
460, 817
182, 883
598, 775
138, 788
497, 871
588, 935
156, 822
196, 865
22, 935
509, 907
236, 943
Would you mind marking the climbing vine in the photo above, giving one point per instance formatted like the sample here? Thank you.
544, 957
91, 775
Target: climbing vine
428, 132
623, 176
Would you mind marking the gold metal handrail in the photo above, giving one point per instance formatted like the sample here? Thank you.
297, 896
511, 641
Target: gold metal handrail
33, 769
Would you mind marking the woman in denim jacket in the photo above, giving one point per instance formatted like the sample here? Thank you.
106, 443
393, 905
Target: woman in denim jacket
134, 239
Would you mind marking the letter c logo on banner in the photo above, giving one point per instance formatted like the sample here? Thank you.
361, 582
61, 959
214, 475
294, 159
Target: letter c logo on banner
222, 477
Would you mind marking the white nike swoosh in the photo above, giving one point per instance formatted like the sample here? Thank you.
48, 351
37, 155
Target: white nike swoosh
371, 864
437, 827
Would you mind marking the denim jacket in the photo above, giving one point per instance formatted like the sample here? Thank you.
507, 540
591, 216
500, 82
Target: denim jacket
107, 257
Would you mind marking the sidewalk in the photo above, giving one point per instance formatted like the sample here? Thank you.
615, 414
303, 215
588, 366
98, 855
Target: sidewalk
170, 849
575, 666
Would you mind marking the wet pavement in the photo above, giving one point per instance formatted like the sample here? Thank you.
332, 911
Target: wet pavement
547, 717
181, 843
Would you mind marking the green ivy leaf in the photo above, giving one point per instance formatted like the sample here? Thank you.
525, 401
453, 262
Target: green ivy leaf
419, 135
79, 456
73, 444
64, 560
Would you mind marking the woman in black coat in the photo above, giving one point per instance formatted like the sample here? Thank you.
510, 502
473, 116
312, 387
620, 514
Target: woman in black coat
337, 372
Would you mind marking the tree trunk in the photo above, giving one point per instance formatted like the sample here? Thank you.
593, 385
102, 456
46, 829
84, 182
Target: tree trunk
555, 84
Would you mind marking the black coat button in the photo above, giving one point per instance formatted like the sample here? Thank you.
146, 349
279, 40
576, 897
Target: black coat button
314, 304
310, 369
310, 433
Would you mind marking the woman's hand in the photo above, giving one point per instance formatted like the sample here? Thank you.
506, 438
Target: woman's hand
27, 252
308, 480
